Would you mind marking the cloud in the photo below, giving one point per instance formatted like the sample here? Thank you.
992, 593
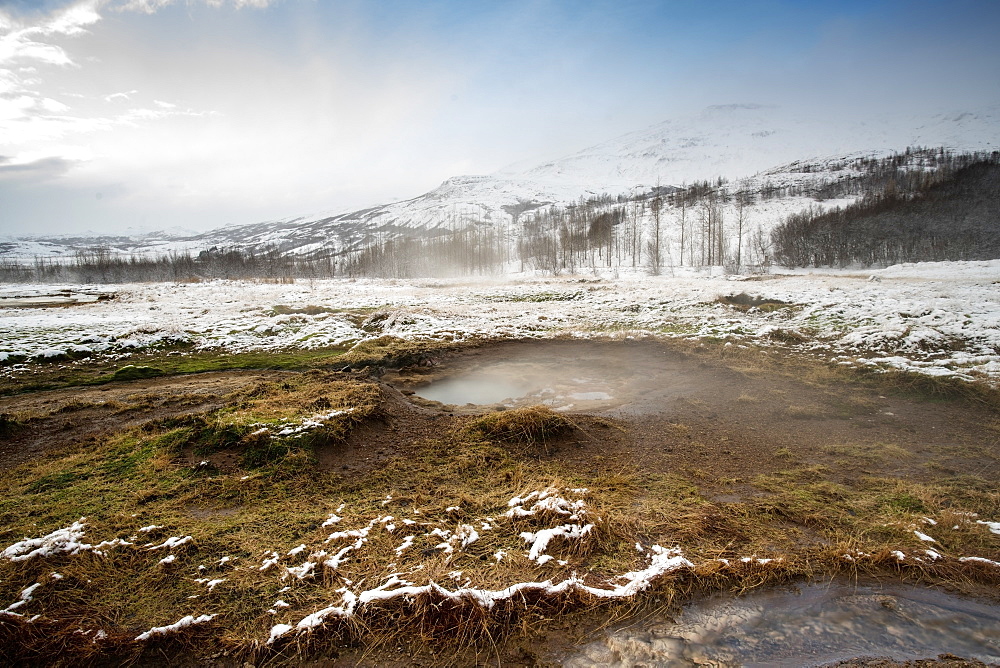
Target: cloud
72, 20
153, 6
24, 47
36, 170
120, 96
164, 110
29, 8
21, 107
144, 6
32, 40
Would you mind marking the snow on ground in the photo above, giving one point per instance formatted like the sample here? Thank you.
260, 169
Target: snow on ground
936, 318
659, 562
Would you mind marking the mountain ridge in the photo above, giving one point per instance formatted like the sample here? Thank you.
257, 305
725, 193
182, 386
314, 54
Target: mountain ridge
752, 142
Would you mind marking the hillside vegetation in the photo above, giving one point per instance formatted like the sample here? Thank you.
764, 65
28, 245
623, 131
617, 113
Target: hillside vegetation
952, 213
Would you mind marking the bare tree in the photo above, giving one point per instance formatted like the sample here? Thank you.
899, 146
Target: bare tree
743, 200
654, 246
681, 201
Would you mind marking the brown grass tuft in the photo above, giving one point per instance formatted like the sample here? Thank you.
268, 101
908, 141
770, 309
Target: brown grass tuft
391, 352
532, 425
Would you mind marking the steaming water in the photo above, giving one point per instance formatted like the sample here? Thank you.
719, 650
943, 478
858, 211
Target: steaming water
475, 390
563, 375
517, 383
807, 625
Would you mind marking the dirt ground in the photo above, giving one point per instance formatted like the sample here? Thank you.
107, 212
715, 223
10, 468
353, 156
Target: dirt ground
671, 411
716, 419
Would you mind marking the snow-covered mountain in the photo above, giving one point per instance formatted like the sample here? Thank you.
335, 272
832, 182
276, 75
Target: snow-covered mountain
739, 140
767, 145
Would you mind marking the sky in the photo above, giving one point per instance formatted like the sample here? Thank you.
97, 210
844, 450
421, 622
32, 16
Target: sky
125, 115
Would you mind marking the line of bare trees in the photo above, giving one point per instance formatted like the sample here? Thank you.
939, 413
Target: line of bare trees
949, 213
102, 265
922, 204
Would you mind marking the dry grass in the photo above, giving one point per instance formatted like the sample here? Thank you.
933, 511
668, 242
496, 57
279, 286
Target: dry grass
10, 424
136, 479
806, 412
868, 452
745, 302
806, 521
938, 387
534, 425
806, 516
392, 352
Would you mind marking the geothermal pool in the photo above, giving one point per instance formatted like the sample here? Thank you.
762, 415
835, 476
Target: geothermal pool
806, 625
564, 375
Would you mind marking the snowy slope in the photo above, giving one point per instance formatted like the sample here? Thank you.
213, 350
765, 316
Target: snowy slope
737, 141
733, 141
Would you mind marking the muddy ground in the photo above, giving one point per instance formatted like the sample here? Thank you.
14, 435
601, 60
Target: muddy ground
717, 419
731, 418
669, 411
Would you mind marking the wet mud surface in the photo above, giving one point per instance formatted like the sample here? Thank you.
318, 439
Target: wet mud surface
676, 411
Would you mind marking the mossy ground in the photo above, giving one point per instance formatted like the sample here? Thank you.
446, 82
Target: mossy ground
166, 362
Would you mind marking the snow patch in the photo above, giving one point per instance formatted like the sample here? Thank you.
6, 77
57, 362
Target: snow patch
180, 624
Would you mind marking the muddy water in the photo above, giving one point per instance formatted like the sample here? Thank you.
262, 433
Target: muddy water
806, 625
490, 386
571, 375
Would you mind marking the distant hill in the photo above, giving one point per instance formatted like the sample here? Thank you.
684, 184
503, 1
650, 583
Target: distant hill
778, 162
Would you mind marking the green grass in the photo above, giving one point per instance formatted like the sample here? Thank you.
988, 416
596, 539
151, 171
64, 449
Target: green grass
132, 372
49, 376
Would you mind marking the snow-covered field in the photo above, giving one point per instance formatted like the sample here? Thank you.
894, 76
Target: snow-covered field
936, 318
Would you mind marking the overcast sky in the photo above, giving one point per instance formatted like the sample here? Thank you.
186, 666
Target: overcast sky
200, 113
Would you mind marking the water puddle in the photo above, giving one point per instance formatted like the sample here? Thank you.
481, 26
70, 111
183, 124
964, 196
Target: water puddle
519, 383
480, 390
50, 299
806, 625
579, 376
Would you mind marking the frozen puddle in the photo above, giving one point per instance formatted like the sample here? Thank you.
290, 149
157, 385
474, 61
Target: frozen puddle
806, 625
